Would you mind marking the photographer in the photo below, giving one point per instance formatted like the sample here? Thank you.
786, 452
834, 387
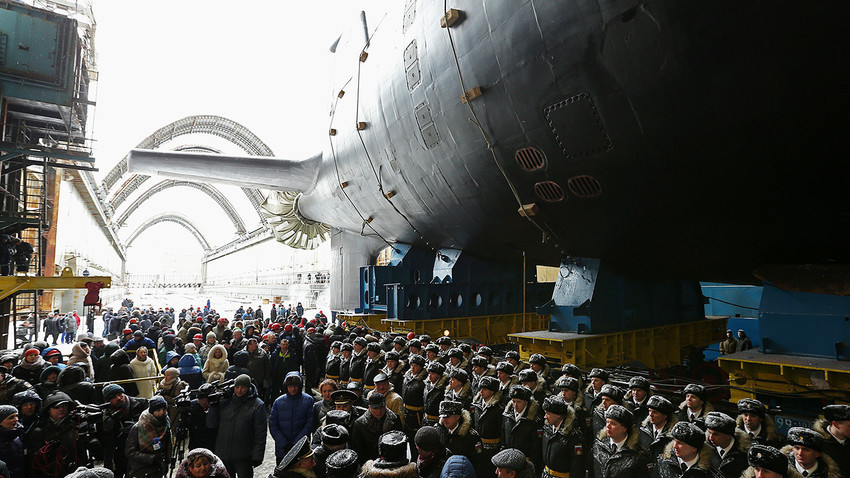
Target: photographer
122, 413
149, 442
52, 445
200, 434
241, 422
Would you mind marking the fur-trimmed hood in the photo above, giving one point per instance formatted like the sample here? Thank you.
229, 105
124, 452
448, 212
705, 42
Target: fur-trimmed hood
530, 412
465, 423
408, 470
824, 461
768, 425
671, 420
218, 469
703, 462
632, 442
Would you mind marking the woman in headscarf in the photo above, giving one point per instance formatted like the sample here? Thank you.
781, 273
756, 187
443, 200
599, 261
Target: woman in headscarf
216, 365
201, 463
169, 387
143, 366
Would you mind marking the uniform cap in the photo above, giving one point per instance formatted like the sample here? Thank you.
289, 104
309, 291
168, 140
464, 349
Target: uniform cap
720, 422
750, 405
391, 355
414, 343
450, 407
621, 414
460, 375
432, 348
479, 361
599, 373
298, 452
373, 347
354, 386
417, 359
455, 353
443, 341
346, 346
486, 351
490, 383
509, 458
505, 367
660, 404
537, 359
334, 435
689, 434
377, 400
381, 377
400, 340
639, 382
805, 437
337, 417
527, 375
555, 404
695, 389
764, 456
520, 392
612, 392
512, 354
343, 397
359, 341
568, 383
342, 463
436, 367
836, 413
427, 438
392, 446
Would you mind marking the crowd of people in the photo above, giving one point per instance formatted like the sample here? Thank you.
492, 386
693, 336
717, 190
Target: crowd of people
202, 392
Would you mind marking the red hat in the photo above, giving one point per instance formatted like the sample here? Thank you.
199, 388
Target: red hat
411, 335
127, 331
198, 337
133, 320
311, 330
266, 338
222, 320
288, 328
52, 352
275, 326
199, 319
32, 351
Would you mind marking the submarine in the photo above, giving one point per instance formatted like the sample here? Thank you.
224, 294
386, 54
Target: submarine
668, 140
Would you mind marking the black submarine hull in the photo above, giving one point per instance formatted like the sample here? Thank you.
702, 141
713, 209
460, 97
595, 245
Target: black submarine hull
691, 140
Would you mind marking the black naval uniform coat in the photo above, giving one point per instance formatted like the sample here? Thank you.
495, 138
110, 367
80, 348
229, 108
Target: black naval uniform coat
357, 367
654, 446
413, 394
563, 449
433, 397
734, 462
667, 465
524, 434
487, 419
838, 452
628, 462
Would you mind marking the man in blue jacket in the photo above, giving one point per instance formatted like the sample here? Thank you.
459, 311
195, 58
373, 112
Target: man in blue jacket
291, 415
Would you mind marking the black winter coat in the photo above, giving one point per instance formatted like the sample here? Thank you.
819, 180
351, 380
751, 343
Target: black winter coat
433, 397
413, 395
524, 434
357, 366
241, 425
667, 465
628, 462
121, 370
367, 430
465, 441
840, 453
563, 448
655, 446
12, 450
733, 464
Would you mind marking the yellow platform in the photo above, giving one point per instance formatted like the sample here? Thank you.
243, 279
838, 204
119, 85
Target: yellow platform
10, 285
751, 372
488, 329
655, 347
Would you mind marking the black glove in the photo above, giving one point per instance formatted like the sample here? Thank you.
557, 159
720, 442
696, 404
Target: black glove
256, 462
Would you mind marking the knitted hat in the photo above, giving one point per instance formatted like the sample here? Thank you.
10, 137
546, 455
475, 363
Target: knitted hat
427, 438
720, 422
157, 403
621, 414
112, 390
242, 380
764, 456
31, 351
97, 472
689, 434
805, 437
6, 411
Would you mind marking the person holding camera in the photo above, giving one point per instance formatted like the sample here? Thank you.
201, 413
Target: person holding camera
241, 422
119, 417
200, 434
148, 444
52, 446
